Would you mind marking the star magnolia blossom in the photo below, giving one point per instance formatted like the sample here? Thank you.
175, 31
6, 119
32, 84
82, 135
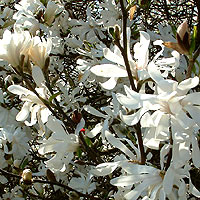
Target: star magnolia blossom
17, 138
118, 70
14, 45
40, 51
154, 184
139, 66
61, 142
39, 112
171, 102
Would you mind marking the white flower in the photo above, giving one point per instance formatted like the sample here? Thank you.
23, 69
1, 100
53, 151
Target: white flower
172, 101
14, 45
17, 138
86, 30
40, 51
61, 142
154, 183
83, 184
51, 11
39, 112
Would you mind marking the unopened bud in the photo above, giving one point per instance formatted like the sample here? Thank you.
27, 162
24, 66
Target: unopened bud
76, 117
117, 32
27, 175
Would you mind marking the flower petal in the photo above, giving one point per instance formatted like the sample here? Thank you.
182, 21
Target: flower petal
109, 70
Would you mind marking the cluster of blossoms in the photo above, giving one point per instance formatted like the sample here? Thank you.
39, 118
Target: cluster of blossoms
89, 111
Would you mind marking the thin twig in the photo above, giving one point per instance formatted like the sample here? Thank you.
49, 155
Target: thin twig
124, 49
125, 56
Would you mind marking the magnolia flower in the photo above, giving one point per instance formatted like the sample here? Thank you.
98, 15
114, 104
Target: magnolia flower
15, 45
33, 104
117, 70
83, 184
39, 51
17, 138
52, 10
139, 66
171, 102
87, 30
60, 142
155, 184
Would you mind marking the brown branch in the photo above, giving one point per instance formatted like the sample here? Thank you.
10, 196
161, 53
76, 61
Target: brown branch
124, 48
125, 56
34, 180
192, 61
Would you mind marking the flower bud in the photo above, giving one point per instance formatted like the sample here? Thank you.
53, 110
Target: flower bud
27, 175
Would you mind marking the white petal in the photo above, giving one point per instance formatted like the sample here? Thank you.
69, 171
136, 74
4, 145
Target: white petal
134, 118
137, 169
118, 144
193, 190
182, 189
38, 75
195, 152
188, 83
154, 72
168, 180
19, 90
93, 111
110, 83
164, 151
45, 112
24, 113
129, 179
192, 98
79, 126
56, 126
109, 70
194, 112
97, 129
104, 169
136, 192
128, 102
109, 55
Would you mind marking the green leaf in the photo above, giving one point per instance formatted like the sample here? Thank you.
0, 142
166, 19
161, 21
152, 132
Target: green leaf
193, 39
79, 152
24, 163
54, 96
88, 141
111, 30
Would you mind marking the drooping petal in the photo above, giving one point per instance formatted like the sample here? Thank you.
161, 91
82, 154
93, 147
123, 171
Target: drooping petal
118, 144
136, 192
24, 113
